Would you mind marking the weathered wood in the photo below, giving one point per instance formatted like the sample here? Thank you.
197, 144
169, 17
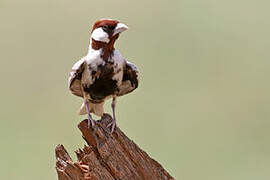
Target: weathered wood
107, 157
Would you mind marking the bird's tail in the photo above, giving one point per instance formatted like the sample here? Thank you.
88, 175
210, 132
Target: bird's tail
97, 109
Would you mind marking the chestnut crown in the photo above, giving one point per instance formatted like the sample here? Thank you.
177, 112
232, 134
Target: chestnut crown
105, 30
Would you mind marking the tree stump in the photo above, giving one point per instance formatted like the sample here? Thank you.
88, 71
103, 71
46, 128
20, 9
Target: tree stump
107, 157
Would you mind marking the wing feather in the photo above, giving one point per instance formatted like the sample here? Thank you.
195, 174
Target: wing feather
74, 80
130, 79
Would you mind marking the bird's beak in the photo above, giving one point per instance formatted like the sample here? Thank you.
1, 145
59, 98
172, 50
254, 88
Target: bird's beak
120, 27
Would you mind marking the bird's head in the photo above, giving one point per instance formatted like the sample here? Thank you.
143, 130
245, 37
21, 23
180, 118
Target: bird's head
107, 30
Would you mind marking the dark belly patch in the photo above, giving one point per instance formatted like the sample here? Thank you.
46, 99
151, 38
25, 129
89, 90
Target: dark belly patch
103, 85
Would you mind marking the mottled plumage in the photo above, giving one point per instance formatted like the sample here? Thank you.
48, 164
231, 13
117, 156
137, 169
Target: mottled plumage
103, 73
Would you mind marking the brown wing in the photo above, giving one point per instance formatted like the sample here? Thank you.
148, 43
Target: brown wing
74, 80
130, 79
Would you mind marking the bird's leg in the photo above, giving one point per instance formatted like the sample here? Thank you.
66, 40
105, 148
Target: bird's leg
113, 123
90, 119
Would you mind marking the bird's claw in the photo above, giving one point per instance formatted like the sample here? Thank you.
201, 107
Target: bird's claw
112, 124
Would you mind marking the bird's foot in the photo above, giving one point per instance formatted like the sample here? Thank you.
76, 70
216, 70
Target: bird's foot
91, 120
113, 125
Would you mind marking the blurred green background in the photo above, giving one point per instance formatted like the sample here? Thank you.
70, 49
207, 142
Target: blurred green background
202, 107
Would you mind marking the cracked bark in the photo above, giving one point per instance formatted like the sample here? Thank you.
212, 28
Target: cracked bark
107, 157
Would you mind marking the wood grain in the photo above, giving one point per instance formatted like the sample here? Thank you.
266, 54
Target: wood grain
107, 157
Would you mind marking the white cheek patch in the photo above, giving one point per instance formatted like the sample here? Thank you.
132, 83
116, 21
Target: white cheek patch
99, 35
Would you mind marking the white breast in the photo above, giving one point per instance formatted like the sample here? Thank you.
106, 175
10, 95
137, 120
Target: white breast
93, 59
119, 62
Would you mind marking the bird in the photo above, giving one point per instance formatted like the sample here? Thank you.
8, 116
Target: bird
103, 73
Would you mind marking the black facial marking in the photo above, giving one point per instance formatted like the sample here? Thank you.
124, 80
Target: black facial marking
108, 28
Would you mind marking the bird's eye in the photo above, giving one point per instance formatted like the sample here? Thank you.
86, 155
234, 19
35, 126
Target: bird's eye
105, 28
